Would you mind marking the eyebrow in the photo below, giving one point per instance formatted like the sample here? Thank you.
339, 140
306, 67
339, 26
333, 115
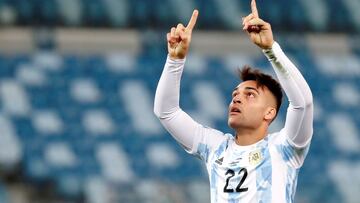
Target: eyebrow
247, 88
252, 88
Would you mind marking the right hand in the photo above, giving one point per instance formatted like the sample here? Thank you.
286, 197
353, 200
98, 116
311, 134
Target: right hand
179, 38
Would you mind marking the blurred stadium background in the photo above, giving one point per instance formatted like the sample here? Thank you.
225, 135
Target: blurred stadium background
78, 77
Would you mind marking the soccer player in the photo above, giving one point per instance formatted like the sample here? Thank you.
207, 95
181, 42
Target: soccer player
252, 165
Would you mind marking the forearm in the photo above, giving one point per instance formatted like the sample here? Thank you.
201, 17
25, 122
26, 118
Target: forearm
298, 125
290, 78
167, 94
166, 104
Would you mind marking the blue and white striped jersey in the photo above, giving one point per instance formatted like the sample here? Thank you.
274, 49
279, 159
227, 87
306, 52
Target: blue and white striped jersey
266, 171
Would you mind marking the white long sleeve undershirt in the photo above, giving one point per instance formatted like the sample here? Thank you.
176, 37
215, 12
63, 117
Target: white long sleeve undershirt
298, 126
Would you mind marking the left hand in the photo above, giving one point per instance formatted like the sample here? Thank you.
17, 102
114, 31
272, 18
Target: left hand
259, 31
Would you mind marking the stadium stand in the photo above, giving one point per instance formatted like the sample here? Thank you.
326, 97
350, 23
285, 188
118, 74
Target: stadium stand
79, 127
85, 122
294, 16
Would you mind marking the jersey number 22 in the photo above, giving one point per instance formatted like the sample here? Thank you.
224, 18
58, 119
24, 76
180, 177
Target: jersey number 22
238, 188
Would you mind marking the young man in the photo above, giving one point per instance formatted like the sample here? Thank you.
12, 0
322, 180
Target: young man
252, 166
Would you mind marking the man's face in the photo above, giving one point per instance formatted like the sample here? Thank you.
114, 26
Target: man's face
250, 106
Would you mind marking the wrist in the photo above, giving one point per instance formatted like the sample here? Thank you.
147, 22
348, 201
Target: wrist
177, 55
272, 50
175, 59
269, 46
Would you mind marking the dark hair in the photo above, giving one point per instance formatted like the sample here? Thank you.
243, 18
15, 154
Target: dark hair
262, 79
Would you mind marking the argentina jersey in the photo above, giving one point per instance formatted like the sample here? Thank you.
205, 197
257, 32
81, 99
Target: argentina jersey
263, 172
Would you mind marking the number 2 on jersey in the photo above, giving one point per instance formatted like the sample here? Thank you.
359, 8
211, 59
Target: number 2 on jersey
238, 187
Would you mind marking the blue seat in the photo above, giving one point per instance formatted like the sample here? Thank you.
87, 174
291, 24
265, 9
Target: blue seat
3, 193
140, 13
94, 13
5, 68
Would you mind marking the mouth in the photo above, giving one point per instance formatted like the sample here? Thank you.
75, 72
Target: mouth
234, 110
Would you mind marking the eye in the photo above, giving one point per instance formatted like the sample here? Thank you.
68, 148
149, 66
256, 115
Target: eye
250, 94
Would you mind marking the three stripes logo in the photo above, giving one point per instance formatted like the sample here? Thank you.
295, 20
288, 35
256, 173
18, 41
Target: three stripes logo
220, 161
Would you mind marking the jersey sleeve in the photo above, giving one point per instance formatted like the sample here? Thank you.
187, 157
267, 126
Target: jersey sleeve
298, 127
195, 138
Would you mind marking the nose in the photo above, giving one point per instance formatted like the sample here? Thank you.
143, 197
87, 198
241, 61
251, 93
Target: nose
237, 99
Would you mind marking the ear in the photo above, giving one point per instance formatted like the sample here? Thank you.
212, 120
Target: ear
270, 114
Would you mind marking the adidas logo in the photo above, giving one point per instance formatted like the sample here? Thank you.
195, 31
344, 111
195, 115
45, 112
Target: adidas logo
220, 161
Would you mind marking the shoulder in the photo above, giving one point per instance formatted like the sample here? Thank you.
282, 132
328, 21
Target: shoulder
211, 138
275, 137
281, 138
214, 134
220, 140
289, 153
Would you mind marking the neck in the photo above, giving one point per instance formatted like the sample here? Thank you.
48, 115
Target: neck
250, 136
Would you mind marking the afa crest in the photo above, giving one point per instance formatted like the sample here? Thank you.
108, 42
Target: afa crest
255, 157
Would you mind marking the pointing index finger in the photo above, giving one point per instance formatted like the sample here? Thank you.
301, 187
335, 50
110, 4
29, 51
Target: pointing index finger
254, 10
192, 21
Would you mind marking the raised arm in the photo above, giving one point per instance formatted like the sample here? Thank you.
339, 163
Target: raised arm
299, 119
166, 105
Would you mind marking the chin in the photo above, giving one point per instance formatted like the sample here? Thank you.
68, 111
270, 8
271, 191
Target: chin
233, 124
236, 124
